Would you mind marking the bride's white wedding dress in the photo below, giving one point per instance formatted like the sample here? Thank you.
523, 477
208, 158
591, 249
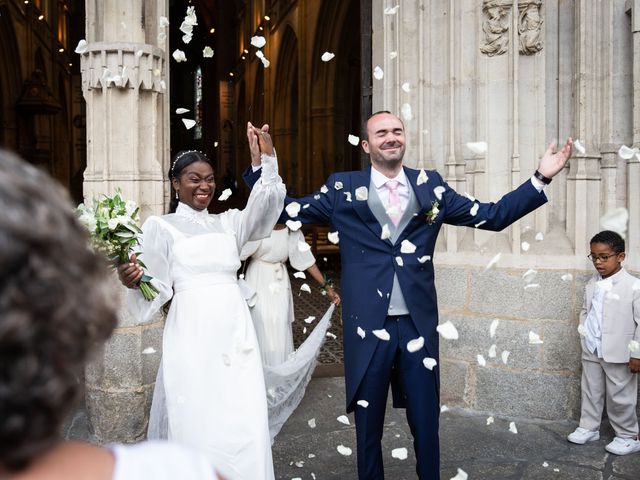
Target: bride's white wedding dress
210, 390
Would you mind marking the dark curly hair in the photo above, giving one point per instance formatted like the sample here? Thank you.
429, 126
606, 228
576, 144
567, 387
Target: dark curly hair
182, 160
613, 239
55, 308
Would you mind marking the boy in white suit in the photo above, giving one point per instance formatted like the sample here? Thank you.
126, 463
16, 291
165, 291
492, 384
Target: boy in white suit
610, 332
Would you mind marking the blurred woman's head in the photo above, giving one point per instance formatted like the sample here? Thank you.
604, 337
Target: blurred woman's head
191, 176
55, 309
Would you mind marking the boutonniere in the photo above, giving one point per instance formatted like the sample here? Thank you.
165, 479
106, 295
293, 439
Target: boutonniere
431, 215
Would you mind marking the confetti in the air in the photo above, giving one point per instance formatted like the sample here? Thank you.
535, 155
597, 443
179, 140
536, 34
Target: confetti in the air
490, 420
480, 223
331, 335
180, 111
338, 185
415, 344
493, 327
386, 233
333, 237
545, 464
525, 246
207, 52
327, 56
263, 59
189, 123
616, 220
399, 261
139, 54
361, 332
293, 225
577, 144
582, 331
344, 419
567, 277
627, 153
293, 209
461, 475
149, 351
179, 56
422, 177
226, 193
258, 41
447, 330
399, 453
529, 275
481, 361
406, 87
406, 112
347, 196
393, 55
429, 362
342, 450
505, 356
353, 140
424, 258
407, 247
539, 236
532, 286
391, 10
378, 73
492, 351
474, 209
512, 427
534, 338
312, 422
164, 22
477, 147
309, 319
305, 288
493, 262
81, 47
444, 408
382, 334
362, 194
324, 189
363, 403
300, 275
634, 346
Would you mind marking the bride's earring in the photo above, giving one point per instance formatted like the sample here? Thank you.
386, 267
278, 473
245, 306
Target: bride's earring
177, 197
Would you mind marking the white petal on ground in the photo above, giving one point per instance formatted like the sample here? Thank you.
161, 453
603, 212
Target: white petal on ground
293, 209
293, 225
407, 247
258, 41
493, 327
81, 47
534, 338
303, 246
386, 233
415, 344
448, 330
577, 144
424, 258
512, 427
309, 319
480, 223
444, 408
525, 246
300, 275
557, 470
338, 185
461, 475
393, 55
493, 262
164, 22
347, 196
545, 464
399, 261
226, 193
361, 332
477, 147
474, 209
438, 191
567, 277
324, 189
305, 288
406, 112
492, 351
179, 56
605, 284
189, 123
180, 111
539, 236
344, 419
422, 177
399, 453
429, 362
378, 73
481, 361
633, 346
582, 331
333, 237
342, 450
327, 56
382, 334
362, 194
529, 275
311, 422
363, 403
406, 87
299, 464
207, 52
149, 350
353, 140
505, 356
626, 153
616, 220
331, 335
489, 420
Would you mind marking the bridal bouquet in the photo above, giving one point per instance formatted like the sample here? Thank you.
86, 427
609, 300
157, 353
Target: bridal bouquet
113, 228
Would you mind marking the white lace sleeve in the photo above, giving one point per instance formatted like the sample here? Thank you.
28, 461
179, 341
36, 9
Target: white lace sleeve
154, 247
300, 260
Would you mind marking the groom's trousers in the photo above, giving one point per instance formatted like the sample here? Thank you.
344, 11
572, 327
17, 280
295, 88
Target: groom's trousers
421, 388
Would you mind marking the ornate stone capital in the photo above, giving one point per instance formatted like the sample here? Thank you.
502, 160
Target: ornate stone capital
496, 23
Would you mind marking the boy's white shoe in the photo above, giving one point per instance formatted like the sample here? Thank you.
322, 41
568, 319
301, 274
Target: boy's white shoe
623, 446
582, 436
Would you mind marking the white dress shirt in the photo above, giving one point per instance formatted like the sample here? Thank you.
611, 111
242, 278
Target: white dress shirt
593, 322
379, 180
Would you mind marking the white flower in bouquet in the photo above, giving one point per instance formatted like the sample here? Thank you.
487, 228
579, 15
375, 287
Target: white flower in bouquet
113, 227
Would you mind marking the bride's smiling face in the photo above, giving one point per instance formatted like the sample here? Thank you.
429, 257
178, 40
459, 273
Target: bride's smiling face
195, 185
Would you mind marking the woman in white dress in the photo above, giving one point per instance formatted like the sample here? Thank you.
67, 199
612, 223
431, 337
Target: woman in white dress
210, 387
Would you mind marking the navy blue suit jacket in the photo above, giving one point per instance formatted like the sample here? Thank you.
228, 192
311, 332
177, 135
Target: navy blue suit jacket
368, 262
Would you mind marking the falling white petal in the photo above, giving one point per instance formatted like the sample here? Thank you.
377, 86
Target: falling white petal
382, 334
300, 275
379, 292
81, 47
489, 420
534, 338
406, 87
406, 112
353, 140
226, 193
415, 344
164, 22
477, 147
265, 62
362, 194
309, 319
399, 261
493, 327
493, 262
363, 403
149, 350
391, 10
422, 177
481, 361
480, 223
186, 38
634, 346
342, 450
438, 191
186, 27
474, 209
525, 246
162, 37
180, 111
293, 209
529, 275
567, 277
512, 427
393, 55
157, 72
163, 85
399, 453
343, 419
338, 185
616, 220
407, 247
303, 246
505, 356
539, 236
429, 362
189, 123
577, 144
179, 56
207, 52
461, 475
424, 258
347, 196
626, 153
312, 422
305, 288
447, 330
333, 237
324, 189
378, 73
545, 464
386, 233
444, 408
139, 53
361, 332
582, 331
258, 41
293, 225
327, 56
492, 351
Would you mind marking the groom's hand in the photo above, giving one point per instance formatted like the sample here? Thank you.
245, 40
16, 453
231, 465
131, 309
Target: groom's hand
553, 161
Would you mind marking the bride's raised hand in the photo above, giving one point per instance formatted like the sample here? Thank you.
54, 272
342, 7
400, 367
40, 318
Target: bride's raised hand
130, 273
265, 141
254, 148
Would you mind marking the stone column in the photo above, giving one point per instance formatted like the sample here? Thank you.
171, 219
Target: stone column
633, 172
125, 85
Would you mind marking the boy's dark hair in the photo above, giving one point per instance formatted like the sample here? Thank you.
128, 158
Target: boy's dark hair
614, 240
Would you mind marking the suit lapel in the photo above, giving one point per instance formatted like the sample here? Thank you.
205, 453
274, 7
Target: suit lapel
424, 195
363, 179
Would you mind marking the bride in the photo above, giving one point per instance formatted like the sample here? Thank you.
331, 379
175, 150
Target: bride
210, 387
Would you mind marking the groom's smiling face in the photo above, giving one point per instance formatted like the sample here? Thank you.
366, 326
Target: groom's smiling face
385, 142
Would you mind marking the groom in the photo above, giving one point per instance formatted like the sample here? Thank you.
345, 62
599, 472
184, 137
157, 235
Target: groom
388, 217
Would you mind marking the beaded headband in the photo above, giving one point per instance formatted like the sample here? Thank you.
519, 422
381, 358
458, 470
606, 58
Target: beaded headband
182, 155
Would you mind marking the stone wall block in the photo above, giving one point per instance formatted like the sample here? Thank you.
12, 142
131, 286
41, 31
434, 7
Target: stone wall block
119, 363
562, 350
454, 383
451, 285
151, 339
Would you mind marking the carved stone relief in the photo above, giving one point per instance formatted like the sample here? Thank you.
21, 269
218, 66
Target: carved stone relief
529, 28
497, 20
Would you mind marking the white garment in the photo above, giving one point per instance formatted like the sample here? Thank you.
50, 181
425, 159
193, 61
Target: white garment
267, 274
159, 461
593, 322
209, 391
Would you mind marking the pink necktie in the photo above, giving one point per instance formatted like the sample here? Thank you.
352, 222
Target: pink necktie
395, 209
